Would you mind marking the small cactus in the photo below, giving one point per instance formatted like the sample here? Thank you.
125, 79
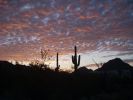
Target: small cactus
75, 59
57, 63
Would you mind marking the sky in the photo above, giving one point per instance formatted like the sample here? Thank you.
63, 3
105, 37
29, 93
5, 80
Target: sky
101, 29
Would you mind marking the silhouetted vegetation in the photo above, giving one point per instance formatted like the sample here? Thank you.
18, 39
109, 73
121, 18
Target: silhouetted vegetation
75, 59
45, 55
57, 63
113, 81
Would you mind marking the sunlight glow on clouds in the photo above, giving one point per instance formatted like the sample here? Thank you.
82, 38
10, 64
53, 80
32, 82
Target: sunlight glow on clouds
58, 25
15, 38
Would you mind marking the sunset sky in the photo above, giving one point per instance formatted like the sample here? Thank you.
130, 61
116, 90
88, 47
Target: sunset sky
101, 29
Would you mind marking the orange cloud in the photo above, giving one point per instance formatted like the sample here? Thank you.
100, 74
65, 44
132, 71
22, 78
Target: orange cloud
83, 29
82, 17
11, 26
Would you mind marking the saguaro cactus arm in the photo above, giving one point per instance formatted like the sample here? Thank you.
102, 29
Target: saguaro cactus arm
79, 60
73, 59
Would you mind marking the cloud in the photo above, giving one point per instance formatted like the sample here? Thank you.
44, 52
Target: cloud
16, 39
55, 16
59, 24
87, 17
27, 7
46, 20
83, 29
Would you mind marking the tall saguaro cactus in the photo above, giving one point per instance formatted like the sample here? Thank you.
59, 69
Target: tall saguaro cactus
75, 59
57, 62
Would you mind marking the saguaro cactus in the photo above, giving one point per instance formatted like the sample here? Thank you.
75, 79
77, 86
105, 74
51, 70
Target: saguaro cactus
57, 62
75, 59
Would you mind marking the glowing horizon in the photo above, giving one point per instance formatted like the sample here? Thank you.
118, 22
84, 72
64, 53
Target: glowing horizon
88, 59
97, 27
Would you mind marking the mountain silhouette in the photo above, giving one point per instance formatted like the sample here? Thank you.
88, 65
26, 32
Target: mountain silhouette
5, 63
115, 64
83, 70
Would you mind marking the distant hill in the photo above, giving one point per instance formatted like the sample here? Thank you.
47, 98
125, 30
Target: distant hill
2, 63
83, 70
115, 64
5, 65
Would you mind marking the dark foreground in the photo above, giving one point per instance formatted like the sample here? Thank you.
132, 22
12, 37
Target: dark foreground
19, 82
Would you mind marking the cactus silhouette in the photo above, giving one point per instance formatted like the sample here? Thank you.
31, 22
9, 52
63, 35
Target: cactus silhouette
75, 59
57, 63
